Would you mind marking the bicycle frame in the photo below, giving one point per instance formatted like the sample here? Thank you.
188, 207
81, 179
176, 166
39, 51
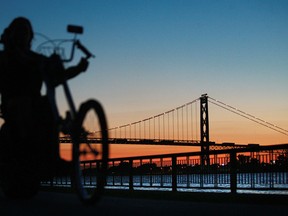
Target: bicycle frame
68, 95
69, 99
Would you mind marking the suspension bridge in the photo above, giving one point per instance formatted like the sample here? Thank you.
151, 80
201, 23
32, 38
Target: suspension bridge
186, 125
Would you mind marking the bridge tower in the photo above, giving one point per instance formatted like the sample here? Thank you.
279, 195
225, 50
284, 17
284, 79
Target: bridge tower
204, 121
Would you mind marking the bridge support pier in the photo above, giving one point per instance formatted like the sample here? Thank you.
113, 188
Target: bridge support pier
204, 121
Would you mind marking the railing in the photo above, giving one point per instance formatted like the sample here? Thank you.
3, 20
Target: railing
255, 168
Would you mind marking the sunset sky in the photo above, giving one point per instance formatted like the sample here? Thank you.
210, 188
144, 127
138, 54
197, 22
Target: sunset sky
155, 55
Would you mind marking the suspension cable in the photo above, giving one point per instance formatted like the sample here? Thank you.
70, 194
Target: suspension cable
248, 116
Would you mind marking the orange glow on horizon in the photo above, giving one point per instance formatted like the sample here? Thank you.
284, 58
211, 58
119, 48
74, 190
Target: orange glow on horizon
122, 150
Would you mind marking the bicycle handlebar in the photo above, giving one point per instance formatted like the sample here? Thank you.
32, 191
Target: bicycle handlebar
78, 30
75, 43
84, 49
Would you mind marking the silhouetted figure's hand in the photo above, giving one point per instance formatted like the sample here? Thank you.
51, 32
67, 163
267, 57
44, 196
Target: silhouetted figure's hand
83, 65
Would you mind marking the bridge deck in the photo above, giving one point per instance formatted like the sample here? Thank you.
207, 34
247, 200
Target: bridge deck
159, 142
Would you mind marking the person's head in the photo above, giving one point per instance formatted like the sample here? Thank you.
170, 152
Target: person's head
18, 34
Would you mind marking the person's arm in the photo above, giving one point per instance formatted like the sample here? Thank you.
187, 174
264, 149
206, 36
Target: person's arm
75, 70
56, 73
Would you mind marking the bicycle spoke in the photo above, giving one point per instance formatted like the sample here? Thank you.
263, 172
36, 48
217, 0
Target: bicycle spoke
91, 151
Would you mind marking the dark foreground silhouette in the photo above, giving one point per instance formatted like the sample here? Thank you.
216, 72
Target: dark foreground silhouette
51, 203
29, 148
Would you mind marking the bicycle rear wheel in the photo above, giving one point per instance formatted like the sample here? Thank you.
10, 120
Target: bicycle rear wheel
90, 151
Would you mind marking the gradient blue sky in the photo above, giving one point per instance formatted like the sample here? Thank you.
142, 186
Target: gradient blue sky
154, 55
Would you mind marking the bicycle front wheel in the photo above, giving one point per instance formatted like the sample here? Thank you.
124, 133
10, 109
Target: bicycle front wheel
90, 151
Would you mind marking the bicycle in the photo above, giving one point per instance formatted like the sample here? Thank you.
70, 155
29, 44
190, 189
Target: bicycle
88, 146
84, 141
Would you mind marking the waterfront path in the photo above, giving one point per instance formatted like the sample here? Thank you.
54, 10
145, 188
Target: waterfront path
57, 203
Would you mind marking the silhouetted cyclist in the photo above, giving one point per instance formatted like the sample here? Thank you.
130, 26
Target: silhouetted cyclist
29, 148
